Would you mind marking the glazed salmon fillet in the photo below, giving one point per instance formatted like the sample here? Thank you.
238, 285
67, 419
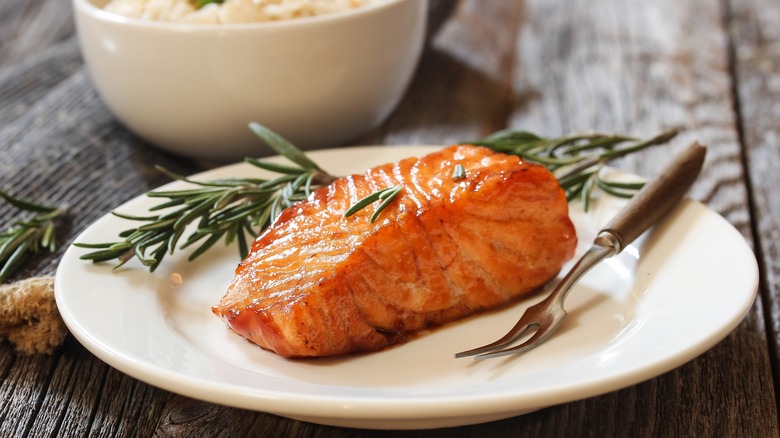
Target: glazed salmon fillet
317, 283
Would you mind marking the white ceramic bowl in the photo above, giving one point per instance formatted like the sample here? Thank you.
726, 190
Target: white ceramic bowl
193, 88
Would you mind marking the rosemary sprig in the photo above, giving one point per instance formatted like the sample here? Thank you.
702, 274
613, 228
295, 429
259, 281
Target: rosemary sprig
229, 208
576, 160
235, 208
25, 237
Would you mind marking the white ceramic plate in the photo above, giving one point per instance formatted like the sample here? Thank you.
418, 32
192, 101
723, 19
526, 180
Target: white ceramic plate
666, 299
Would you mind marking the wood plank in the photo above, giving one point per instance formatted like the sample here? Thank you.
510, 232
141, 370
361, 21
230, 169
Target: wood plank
23, 84
30, 27
755, 29
642, 67
21, 389
461, 90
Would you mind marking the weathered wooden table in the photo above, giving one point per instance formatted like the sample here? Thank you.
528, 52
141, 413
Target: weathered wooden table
551, 66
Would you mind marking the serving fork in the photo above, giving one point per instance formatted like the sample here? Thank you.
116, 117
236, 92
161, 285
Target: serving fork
649, 205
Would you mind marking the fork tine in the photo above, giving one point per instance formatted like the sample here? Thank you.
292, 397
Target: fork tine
520, 328
539, 337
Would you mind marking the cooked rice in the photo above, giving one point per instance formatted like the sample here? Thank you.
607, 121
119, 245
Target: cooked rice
231, 11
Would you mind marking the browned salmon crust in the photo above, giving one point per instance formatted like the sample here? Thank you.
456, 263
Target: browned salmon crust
317, 284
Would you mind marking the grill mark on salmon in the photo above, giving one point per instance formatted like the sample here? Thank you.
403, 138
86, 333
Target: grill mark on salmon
317, 284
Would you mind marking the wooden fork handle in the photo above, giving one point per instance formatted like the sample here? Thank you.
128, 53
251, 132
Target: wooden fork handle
657, 197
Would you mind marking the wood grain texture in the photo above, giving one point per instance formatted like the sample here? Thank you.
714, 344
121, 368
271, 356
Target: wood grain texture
551, 66
755, 30
30, 27
642, 67
461, 89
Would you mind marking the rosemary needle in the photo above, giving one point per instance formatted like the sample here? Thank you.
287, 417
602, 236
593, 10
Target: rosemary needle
385, 195
25, 237
459, 172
